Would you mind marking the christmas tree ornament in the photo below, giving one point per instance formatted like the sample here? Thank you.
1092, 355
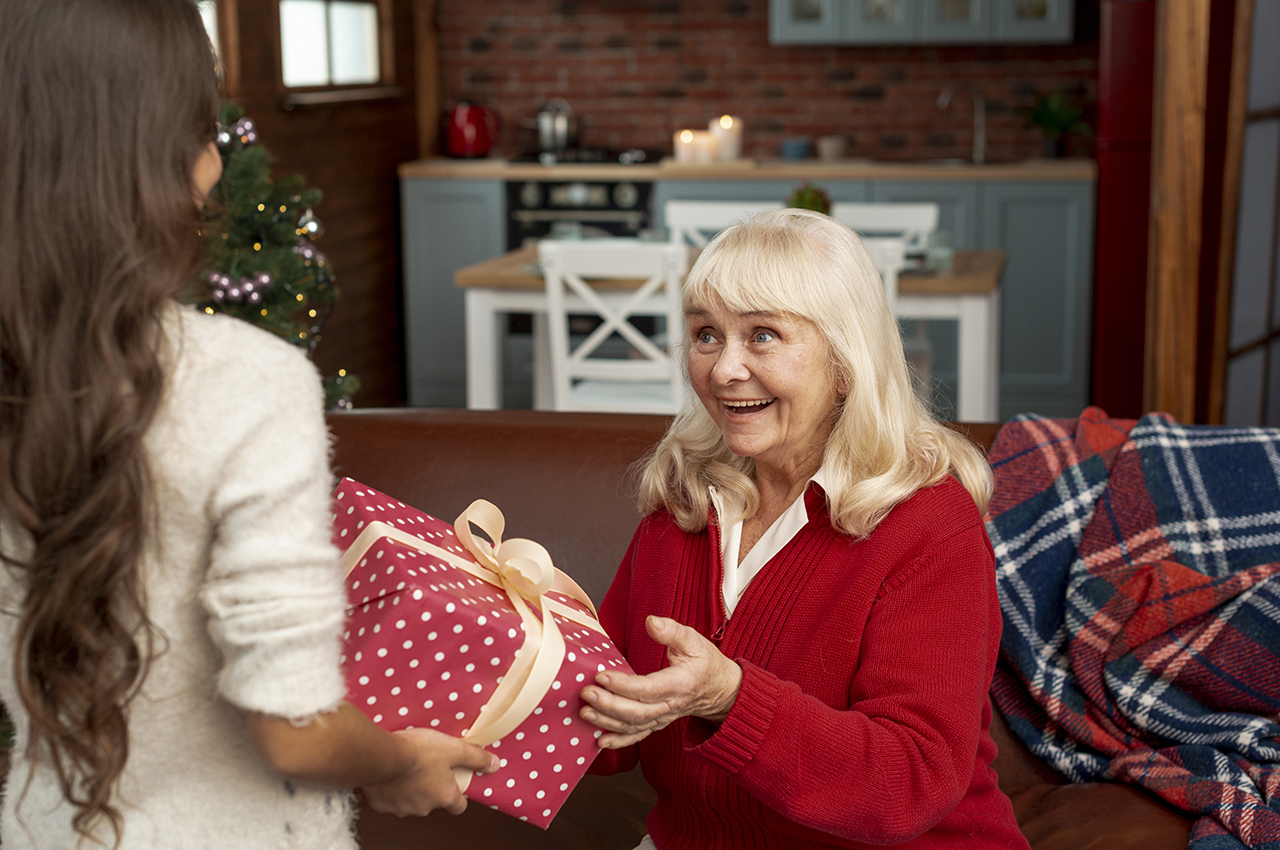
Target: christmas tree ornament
223, 137
218, 283
310, 226
245, 132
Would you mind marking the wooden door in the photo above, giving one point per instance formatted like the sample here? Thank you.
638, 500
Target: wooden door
348, 143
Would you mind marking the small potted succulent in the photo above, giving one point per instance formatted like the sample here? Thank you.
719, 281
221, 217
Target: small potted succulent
810, 197
1055, 116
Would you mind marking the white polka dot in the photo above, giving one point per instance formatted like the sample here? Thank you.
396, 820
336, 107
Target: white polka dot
557, 769
359, 655
390, 671
519, 736
564, 787
542, 794
518, 802
533, 774
579, 677
598, 732
477, 688
382, 653
562, 703
453, 696
501, 762
511, 783
511, 633
444, 677
457, 630
377, 718
488, 792
459, 715
568, 720
581, 760
543, 728
470, 667
422, 683
364, 680
432, 635
435, 721
463, 648
527, 755
488, 641
370, 700
573, 742
439, 656
426, 615
492, 661
428, 703
450, 608
481, 620
551, 748
400, 624
403, 711
572, 657
413, 663
395, 691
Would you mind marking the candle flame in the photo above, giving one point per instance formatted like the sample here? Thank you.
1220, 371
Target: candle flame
686, 136
726, 121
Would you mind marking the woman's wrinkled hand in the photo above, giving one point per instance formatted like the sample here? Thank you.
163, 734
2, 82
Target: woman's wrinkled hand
699, 681
428, 783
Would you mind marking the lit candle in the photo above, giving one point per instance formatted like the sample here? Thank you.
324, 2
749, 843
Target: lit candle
727, 132
694, 146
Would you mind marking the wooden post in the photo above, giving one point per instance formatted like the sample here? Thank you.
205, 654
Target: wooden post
1236, 108
427, 51
1177, 187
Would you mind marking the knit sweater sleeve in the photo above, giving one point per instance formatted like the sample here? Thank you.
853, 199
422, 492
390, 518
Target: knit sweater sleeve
272, 589
900, 758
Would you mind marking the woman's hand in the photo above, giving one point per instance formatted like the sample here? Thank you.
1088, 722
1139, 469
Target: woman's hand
699, 682
428, 783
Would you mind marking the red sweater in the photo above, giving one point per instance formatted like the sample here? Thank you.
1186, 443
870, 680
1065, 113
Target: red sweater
863, 714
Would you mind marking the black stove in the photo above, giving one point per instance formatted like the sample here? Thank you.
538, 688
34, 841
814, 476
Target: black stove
585, 156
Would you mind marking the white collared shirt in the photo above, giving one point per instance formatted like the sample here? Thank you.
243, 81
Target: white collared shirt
738, 575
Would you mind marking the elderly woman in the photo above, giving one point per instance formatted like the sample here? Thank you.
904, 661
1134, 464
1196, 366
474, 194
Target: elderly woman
810, 601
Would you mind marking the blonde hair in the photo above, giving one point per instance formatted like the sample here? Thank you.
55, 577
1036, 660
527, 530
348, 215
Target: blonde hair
884, 446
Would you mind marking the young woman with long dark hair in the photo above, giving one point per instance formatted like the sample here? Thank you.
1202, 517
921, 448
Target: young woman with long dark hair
170, 606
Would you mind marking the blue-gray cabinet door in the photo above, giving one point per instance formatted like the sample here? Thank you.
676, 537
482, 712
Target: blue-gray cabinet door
957, 205
955, 21
1046, 293
1034, 21
447, 224
745, 190
806, 21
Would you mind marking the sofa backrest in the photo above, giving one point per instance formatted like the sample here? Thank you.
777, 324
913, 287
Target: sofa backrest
566, 480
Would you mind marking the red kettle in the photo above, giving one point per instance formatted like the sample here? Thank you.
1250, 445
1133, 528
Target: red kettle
471, 131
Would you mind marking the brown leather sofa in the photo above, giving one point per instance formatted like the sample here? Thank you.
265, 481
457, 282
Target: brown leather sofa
566, 480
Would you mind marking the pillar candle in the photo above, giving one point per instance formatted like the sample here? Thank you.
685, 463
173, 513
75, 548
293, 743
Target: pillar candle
727, 131
694, 146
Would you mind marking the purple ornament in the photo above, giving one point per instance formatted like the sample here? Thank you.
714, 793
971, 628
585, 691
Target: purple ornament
305, 249
263, 280
309, 225
245, 132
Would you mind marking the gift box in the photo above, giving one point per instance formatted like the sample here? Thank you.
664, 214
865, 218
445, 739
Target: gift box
483, 640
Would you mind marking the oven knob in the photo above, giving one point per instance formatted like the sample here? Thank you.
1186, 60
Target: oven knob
626, 195
577, 194
531, 195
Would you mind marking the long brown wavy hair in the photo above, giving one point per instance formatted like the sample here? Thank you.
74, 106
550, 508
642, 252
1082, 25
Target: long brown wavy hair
107, 107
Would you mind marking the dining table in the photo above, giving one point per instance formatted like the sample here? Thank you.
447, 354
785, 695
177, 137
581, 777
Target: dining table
968, 291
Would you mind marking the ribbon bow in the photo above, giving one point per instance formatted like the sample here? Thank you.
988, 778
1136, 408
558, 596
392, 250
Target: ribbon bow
524, 571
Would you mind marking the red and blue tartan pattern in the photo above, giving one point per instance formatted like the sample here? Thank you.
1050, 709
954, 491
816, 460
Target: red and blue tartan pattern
1139, 573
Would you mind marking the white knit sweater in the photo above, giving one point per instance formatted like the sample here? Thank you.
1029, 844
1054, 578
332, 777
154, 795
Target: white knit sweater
244, 589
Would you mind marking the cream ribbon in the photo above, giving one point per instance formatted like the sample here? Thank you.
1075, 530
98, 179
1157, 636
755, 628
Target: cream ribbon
523, 570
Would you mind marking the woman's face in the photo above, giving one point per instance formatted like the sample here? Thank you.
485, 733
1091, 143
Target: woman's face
765, 380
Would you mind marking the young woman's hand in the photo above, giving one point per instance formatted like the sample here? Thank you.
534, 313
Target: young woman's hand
699, 682
428, 783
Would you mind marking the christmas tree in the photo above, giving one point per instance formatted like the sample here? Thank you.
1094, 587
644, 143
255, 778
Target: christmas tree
261, 264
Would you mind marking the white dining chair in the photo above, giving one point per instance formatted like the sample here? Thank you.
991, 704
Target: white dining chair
696, 223
914, 221
616, 368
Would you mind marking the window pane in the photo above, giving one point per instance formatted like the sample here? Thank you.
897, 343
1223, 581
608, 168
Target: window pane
304, 43
1264, 61
353, 28
1244, 390
881, 10
209, 13
1255, 229
955, 10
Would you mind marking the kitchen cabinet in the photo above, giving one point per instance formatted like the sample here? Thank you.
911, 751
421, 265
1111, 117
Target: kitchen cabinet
1046, 300
447, 224
746, 190
920, 21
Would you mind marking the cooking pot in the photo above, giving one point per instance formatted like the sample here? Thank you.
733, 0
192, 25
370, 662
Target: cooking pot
472, 130
557, 126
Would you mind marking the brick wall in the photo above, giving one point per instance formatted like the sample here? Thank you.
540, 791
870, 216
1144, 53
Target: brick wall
635, 71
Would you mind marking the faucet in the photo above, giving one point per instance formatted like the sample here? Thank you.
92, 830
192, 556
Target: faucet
979, 117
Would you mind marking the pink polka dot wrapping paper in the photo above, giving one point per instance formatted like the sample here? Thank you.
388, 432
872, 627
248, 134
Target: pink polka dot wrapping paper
427, 644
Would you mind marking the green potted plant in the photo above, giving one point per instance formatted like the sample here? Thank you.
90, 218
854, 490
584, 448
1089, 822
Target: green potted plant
810, 197
1055, 116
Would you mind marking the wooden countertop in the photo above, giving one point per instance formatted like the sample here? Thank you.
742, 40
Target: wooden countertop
971, 272
1068, 170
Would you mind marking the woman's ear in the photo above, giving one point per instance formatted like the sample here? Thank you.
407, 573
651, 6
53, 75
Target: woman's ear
843, 384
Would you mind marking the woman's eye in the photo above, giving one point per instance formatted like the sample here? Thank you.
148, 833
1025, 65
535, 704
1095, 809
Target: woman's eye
763, 336
704, 338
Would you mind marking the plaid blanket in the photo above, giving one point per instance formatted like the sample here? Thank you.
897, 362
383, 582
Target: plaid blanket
1139, 575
